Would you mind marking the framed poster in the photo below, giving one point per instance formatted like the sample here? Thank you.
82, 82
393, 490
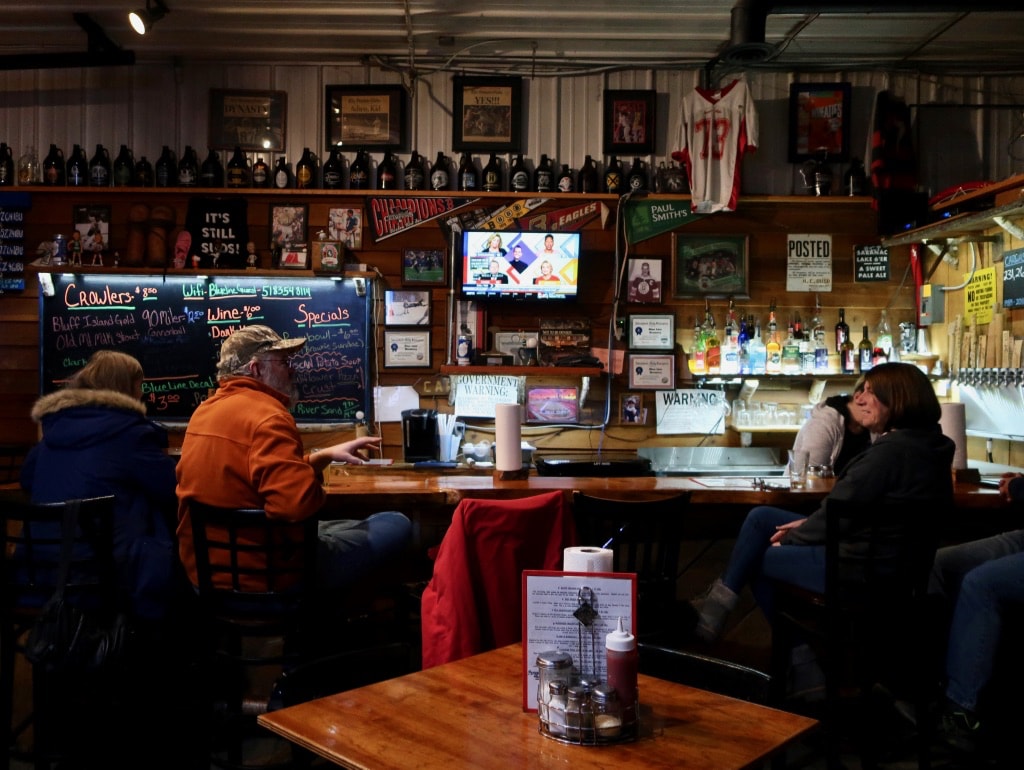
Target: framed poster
652, 372
629, 122
91, 236
643, 281
819, 122
252, 120
407, 308
632, 410
346, 225
424, 267
709, 266
294, 256
407, 348
487, 113
374, 117
327, 256
288, 223
652, 332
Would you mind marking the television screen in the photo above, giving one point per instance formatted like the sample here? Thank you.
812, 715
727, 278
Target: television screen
509, 265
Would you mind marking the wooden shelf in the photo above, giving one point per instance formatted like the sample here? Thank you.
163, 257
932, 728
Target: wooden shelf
525, 371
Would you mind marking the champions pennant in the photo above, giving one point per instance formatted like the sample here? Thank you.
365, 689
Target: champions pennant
389, 216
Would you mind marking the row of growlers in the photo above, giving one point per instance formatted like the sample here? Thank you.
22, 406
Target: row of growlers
743, 346
336, 172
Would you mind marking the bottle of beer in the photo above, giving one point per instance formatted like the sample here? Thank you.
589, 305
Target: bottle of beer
124, 165
543, 176
333, 171
842, 330
387, 173
188, 168
211, 173
305, 170
282, 177
637, 177
518, 176
586, 178
99, 168
359, 172
6, 165
238, 173
53, 167
468, 180
492, 175
260, 173
565, 181
166, 168
440, 173
613, 182
142, 174
414, 176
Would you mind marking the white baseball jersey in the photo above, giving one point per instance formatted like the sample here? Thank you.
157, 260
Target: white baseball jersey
717, 128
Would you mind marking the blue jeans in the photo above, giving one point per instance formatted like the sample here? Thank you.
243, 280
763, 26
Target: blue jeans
755, 561
985, 580
348, 549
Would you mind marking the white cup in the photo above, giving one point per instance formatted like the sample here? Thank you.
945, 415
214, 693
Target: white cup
798, 469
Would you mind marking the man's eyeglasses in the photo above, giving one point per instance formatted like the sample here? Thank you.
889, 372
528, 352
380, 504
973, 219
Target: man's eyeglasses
285, 362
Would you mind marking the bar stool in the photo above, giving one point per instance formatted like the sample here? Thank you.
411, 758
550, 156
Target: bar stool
255, 581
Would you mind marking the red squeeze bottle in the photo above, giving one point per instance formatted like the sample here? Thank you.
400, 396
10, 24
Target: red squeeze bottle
623, 665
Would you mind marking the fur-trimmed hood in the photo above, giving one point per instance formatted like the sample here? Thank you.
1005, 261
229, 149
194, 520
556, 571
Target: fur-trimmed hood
77, 397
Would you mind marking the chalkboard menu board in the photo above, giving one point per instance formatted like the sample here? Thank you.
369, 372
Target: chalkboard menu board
175, 325
1013, 278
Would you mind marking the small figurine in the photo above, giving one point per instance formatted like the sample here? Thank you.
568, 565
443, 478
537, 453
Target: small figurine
97, 258
75, 248
45, 251
117, 259
250, 247
195, 261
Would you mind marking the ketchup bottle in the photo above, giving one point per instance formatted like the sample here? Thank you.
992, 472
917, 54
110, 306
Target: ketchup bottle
623, 665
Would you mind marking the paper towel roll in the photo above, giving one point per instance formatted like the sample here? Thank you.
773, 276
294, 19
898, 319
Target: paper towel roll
587, 559
508, 452
954, 425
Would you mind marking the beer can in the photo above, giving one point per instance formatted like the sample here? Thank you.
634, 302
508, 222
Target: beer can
60, 250
463, 350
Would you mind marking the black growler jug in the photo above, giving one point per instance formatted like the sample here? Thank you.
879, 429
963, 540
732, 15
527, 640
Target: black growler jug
99, 168
211, 173
123, 167
238, 173
53, 167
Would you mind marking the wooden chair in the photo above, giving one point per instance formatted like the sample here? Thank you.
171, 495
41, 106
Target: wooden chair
30, 545
255, 578
705, 672
646, 536
870, 628
11, 458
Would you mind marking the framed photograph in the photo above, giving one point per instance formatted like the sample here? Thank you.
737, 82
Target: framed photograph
424, 267
710, 266
819, 122
295, 257
510, 343
288, 223
643, 281
652, 372
328, 256
407, 308
652, 332
374, 117
346, 225
252, 120
407, 348
632, 410
91, 237
487, 114
629, 122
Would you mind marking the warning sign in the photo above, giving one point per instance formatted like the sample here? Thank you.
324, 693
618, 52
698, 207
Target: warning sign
870, 263
980, 295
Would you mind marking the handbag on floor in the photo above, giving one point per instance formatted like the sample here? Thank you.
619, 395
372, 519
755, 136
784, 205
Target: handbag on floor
68, 639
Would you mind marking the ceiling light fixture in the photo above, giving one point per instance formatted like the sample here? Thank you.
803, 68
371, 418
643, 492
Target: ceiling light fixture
144, 18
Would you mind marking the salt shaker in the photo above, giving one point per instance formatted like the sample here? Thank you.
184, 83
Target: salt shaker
607, 712
552, 666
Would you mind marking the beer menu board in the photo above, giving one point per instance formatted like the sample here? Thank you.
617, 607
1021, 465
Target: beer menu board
175, 325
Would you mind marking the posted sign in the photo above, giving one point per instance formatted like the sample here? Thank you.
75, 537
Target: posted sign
809, 262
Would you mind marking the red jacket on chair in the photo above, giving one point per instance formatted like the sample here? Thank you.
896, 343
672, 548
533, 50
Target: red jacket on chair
473, 602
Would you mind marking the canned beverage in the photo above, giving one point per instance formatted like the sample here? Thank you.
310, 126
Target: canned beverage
60, 250
463, 350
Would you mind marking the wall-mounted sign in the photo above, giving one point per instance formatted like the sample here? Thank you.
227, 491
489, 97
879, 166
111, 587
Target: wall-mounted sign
980, 295
870, 263
1013, 278
809, 262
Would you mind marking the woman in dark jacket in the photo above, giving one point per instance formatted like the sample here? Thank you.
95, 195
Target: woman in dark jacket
97, 441
910, 461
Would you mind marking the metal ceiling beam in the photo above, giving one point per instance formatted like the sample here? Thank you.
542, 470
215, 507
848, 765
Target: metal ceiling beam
101, 51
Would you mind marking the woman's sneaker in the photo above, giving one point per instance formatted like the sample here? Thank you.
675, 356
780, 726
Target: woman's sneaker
713, 607
959, 728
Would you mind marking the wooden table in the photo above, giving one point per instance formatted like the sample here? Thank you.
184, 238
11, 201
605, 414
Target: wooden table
469, 714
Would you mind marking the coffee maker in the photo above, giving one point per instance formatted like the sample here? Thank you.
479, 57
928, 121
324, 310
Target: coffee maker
419, 435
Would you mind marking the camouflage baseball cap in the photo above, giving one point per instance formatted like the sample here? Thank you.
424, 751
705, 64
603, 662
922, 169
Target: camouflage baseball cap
250, 341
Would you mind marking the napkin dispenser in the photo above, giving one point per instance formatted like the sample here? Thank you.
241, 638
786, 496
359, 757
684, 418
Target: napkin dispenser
419, 435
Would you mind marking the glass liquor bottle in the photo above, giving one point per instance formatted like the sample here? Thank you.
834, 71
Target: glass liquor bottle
847, 357
99, 168
492, 175
387, 173
544, 176
415, 179
730, 343
613, 182
53, 167
211, 173
818, 338
696, 362
883, 337
865, 350
712, 344
758, 353
773, 348
238, 172
586, 178
261, 175
791, 353
842, 330
467, 176
440, 173
518, 176
123, 167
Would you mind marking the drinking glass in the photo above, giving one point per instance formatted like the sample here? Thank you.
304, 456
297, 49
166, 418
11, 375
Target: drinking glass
798, 469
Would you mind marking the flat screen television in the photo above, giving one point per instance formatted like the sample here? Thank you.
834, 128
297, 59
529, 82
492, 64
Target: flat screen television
517, 265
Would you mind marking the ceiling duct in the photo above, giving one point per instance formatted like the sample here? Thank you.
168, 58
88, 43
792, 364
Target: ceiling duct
101, 52
746, 40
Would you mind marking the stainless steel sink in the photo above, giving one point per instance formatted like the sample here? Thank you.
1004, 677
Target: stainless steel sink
714, 461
